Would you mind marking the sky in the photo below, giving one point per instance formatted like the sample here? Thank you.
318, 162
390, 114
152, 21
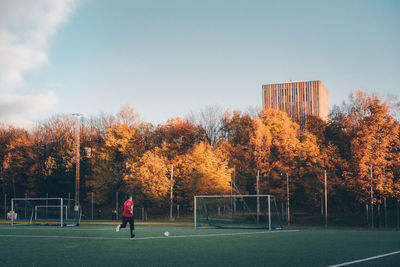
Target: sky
167, 59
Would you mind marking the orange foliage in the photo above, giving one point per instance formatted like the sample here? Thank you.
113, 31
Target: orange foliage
204, 170
375, 133
148, 178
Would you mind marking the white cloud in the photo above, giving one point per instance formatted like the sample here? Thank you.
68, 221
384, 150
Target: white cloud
21, 110
25, 29
15, 59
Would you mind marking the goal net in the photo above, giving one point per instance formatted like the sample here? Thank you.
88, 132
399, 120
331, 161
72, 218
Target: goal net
236, 211
44, 211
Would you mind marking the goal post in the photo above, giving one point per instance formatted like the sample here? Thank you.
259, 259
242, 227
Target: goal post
44, 211
236, 211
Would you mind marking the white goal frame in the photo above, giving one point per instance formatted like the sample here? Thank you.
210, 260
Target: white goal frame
63, 206
237, 196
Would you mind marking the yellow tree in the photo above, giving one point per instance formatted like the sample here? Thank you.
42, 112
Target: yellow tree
203, 170
148, 179
280, 149
308, 172
274, 142
122, 143
372, 146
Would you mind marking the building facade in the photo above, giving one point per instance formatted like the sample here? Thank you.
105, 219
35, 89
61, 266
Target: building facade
298, 100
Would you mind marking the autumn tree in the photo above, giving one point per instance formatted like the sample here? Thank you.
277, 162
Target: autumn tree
235, 141
148, 180
120, 153
6, 135
395, 152
375, 136
280, 149
55, 146
203, 170
177, 136
274, 142
122, 143
17, 160
308, 173
330, 158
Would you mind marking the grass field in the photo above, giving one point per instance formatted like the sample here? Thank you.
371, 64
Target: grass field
100, 245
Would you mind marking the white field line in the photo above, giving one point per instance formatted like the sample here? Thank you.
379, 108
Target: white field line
366, 259
147, 238
72, 229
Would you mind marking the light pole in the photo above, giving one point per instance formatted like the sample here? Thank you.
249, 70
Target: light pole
326, 203
372, 201
172, 187
78, 145
258, 198
288, 199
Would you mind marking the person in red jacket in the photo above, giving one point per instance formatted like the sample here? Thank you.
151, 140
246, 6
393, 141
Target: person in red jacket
127, 216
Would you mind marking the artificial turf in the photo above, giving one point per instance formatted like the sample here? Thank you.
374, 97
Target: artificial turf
100, 245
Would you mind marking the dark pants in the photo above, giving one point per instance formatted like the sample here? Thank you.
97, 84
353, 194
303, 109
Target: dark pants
125, 220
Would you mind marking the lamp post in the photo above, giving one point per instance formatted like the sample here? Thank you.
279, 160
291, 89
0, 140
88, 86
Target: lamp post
326, 202
372, 201
288, 199
171, 196
78, 115
258, 198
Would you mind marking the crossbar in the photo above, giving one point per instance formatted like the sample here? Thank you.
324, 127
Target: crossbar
30, 198
213, 196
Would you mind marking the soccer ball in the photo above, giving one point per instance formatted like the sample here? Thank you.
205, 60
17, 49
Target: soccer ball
166, 234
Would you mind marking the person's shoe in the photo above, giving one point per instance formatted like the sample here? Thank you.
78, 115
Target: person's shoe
117, 229
133, 236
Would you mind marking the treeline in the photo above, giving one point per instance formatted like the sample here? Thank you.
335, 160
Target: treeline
212, 152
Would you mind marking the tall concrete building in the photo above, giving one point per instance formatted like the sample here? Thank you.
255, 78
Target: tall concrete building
298, 100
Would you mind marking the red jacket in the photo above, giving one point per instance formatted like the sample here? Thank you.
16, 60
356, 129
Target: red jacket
128, 209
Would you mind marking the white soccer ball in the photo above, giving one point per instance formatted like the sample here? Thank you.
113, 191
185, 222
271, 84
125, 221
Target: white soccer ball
166, 234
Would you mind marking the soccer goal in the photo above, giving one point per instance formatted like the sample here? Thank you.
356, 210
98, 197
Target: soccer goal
44, 211
236, 211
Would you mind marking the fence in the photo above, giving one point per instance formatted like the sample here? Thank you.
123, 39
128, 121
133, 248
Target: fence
319, 214
110, 211
362, 216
